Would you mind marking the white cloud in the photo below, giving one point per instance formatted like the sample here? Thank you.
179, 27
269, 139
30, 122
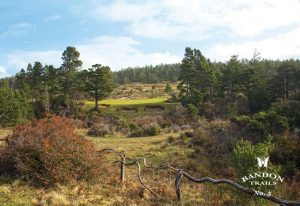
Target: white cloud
196, 19
20, 59
116, 52
17, 30
3, 72
282, 46
121, 52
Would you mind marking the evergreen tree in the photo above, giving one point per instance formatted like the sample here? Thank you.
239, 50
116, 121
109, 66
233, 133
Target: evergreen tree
68, 71
99, 83
197, 77
14, 107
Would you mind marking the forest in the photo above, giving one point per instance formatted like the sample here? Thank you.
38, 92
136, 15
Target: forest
208, 118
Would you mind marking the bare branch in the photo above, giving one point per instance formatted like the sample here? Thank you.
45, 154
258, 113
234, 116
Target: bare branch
120, 154
180, 173
271, 198
142, 183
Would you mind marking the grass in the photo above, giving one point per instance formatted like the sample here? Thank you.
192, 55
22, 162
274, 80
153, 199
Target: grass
109, 191
138, 104
129, 102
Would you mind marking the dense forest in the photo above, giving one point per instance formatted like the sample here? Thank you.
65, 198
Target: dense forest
148, 74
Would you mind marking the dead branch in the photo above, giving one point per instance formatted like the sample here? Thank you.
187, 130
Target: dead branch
142, 183
180, 173
120, 154
248, 191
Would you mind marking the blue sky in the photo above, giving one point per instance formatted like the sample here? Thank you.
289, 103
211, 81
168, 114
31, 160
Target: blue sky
122, 33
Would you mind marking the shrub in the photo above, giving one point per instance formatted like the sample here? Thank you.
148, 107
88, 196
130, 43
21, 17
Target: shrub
112, 119
100, 130
244, 159
146, 130
192, 110
178, 115
48, 151
260, 125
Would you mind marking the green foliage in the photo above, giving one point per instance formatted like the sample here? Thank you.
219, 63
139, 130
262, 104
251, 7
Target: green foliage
148, 74
168, 88
99, 83
67, 72
14, 107
263, 124
197, 78
290, 110
245, 162
192, 110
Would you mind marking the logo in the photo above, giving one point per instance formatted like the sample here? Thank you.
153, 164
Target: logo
263, 177
262, 162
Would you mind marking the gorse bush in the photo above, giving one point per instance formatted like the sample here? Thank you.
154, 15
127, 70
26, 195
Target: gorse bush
262, 124
48, 151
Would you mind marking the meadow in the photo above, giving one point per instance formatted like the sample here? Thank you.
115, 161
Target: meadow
156, 150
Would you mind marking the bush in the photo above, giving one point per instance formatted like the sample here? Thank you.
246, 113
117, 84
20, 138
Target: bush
260, 125
48, 151
192, 110
112, 119
100, 130
146, 131
244, 160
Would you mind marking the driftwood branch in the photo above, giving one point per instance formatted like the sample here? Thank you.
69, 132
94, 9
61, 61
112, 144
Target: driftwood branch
121, 155
180, 173
142, 183
248, 191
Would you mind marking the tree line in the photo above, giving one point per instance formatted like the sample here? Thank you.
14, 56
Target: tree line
240, 86
148, 74
43, 89
236, 87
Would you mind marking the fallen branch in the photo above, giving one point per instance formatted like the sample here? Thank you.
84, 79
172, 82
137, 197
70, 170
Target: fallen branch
271, 198
121, 155
142, 183
180, 173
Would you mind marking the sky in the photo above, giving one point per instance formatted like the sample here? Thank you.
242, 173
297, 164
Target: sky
124, 33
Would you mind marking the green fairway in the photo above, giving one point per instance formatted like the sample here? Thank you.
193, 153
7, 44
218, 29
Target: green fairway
117, 102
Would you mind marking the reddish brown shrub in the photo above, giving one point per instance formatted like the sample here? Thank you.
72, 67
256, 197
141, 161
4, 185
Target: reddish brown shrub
48, 151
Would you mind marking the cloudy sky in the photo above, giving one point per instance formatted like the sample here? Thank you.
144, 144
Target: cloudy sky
122, 33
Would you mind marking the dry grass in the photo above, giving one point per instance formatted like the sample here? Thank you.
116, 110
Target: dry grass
109, 191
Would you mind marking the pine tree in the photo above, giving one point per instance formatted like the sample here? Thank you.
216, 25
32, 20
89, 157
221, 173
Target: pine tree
99, 83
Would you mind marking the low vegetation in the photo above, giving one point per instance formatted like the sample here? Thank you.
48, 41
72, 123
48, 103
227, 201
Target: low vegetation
212, 126
48, 151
